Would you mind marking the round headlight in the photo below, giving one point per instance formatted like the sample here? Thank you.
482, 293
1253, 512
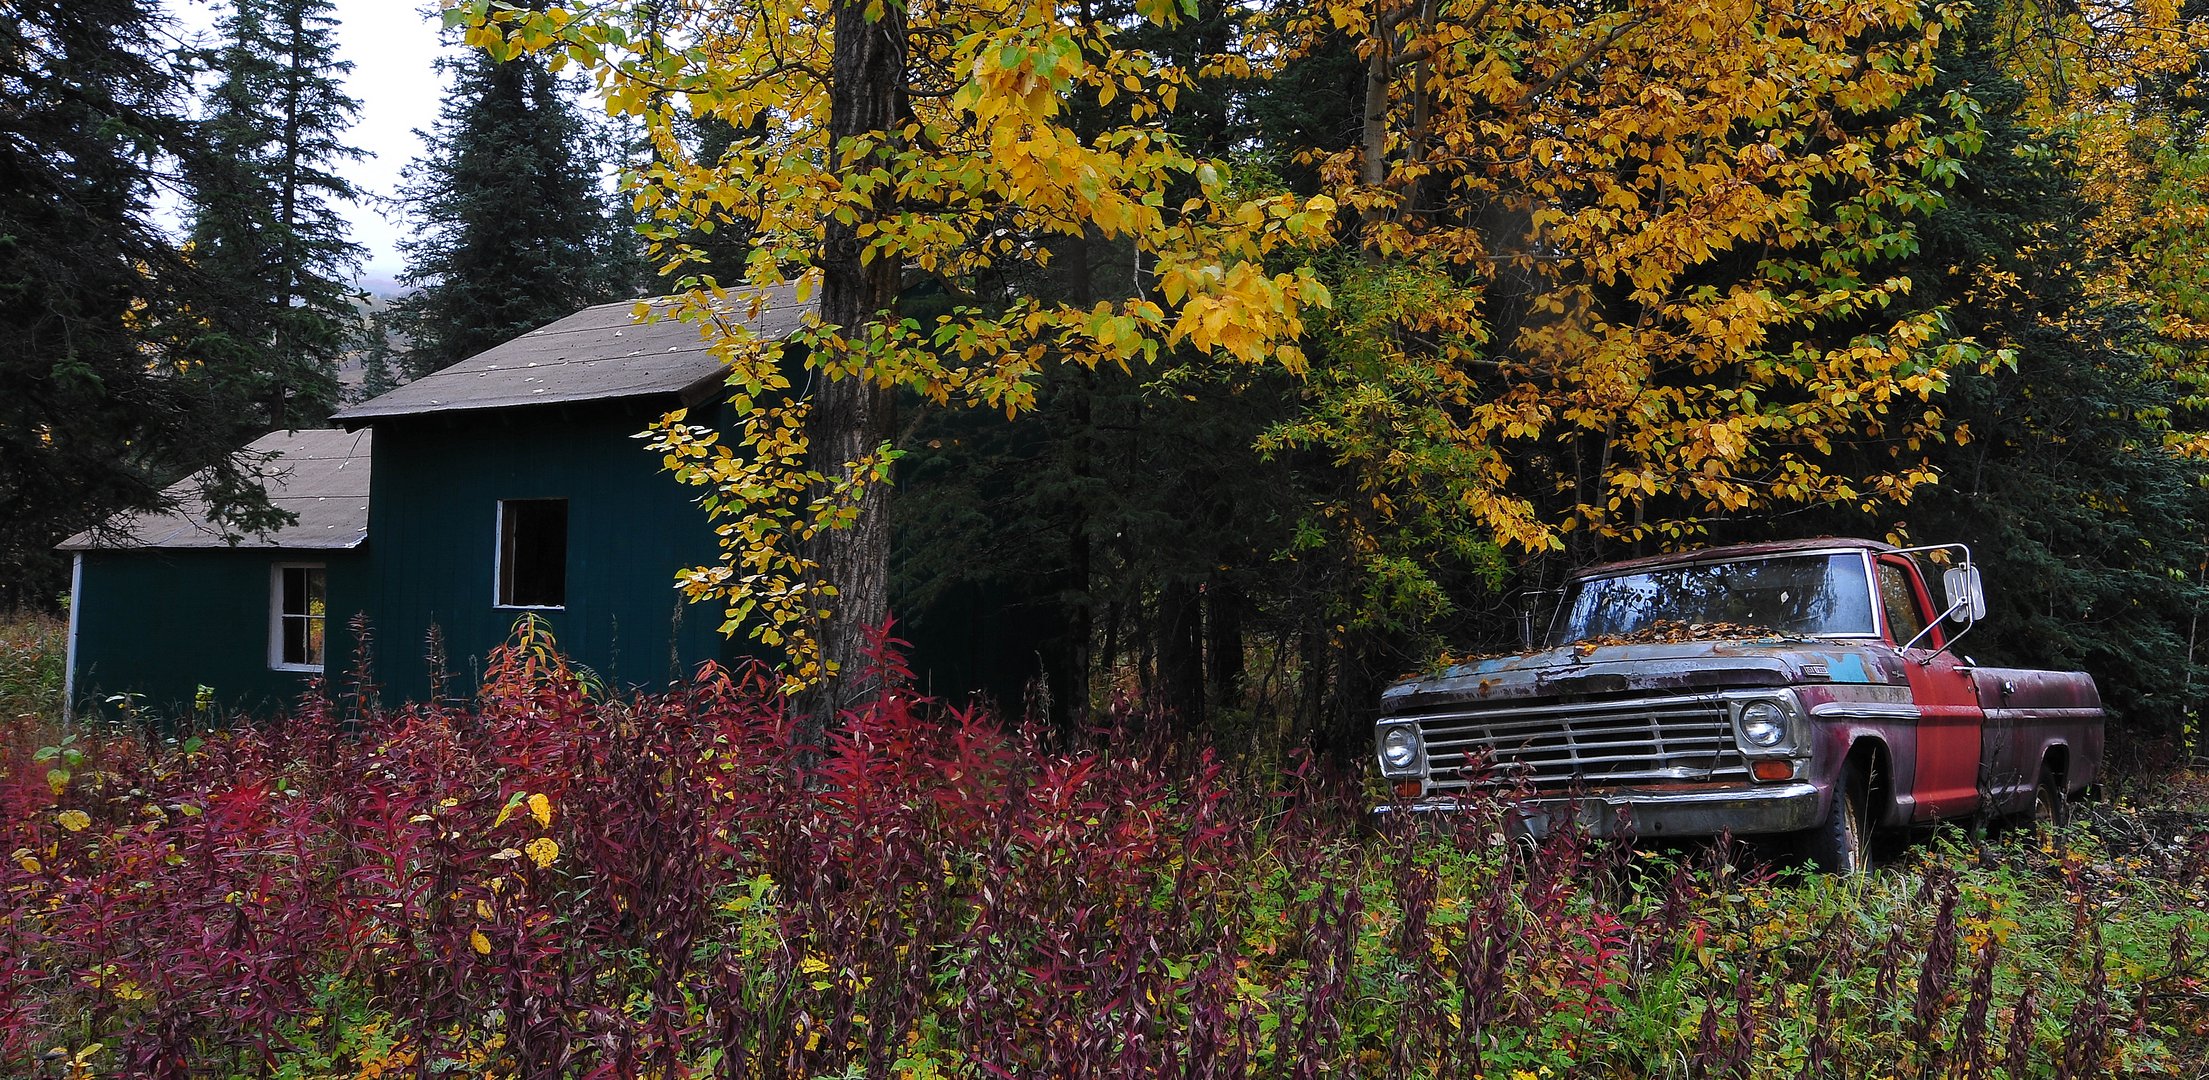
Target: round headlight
1763, 724
1399, 747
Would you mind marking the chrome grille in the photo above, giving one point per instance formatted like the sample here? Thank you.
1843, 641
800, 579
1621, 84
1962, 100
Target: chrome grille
1592, 743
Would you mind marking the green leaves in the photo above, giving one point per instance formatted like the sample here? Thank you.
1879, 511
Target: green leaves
968, 190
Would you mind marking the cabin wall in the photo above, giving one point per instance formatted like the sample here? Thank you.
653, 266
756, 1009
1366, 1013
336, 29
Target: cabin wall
160, 623
433, 523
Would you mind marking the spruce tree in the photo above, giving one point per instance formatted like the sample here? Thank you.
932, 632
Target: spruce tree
511, 227
2090, 527
265, 227
101, 406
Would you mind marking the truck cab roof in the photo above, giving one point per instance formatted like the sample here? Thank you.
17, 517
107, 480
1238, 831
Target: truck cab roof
1732, 552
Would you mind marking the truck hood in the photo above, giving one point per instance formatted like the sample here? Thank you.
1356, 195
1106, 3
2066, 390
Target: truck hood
1689, 666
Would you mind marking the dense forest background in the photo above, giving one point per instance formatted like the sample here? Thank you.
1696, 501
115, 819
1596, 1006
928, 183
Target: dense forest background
1602, 280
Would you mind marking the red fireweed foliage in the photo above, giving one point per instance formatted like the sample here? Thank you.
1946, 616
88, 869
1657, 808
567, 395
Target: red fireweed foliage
548, 881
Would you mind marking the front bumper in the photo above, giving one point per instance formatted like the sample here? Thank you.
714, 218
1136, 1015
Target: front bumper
1648, 812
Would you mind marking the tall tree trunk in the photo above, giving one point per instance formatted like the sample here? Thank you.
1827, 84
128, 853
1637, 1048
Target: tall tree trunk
852, 418
1223, 644
1081, 286
1314, 671
1108, 653
1181, 653
1359, 677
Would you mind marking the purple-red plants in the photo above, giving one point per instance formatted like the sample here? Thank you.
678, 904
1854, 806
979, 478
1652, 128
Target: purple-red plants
553, 881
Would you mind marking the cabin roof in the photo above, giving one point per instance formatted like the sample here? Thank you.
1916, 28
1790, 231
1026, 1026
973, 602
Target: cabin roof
596, 354
320, 475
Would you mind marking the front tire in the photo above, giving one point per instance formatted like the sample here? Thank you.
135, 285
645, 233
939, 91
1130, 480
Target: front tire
1842, 843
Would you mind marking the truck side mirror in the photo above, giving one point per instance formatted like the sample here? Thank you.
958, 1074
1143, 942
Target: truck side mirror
1967, 596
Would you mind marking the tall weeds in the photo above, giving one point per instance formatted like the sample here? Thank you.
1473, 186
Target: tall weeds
546, 883
33, 650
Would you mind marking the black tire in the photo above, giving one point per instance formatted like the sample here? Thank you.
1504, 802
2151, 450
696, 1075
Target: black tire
1842, 844
2051, 810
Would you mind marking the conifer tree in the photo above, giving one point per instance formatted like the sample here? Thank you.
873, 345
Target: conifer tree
99, 406
265, 227
511, 226
2074, 484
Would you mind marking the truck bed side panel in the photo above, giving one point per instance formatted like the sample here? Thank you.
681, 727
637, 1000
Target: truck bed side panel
2031, 717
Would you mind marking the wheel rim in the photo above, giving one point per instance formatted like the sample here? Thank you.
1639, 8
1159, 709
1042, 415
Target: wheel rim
2047, 808
1855, 845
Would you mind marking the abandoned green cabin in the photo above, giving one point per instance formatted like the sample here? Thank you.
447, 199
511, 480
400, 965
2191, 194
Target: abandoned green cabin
513, 483
164, 604
509, 484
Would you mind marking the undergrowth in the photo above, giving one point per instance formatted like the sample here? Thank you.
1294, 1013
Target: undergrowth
33, 648
542, 882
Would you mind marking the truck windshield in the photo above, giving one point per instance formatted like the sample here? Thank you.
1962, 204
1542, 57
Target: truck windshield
1789, 594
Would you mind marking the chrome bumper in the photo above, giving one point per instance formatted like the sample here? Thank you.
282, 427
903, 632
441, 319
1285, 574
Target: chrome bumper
1647, 812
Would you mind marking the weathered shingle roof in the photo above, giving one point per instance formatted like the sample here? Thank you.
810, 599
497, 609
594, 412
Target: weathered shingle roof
319, 475
595, 354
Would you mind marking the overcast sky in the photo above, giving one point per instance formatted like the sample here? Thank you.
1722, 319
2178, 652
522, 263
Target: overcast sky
391, 44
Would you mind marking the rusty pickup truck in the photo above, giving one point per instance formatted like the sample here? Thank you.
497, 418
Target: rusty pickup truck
1807, 690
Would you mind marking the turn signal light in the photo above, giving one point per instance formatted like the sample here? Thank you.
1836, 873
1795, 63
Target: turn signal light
1770, 769
1408, 789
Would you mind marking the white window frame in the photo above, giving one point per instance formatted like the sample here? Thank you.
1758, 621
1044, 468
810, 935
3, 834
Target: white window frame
498, 558
276, 616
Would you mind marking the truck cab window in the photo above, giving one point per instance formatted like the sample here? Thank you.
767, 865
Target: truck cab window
1815, 594
1900, 599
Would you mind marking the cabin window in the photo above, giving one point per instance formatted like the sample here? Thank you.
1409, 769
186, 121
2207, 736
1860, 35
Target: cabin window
533, 553
298, 609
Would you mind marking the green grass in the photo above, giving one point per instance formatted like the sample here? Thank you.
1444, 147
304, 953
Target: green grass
33, 658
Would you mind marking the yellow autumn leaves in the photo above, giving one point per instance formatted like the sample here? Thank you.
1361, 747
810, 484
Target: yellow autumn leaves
1610, 269
541, 851
986, 164
1631, 267
539, 806
27, 858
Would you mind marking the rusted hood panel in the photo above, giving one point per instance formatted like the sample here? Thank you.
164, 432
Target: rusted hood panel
1670, 666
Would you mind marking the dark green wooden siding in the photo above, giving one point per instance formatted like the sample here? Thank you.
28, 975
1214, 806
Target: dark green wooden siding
433, 520
160, 623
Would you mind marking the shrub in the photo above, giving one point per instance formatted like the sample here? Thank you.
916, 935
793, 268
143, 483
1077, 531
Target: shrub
547, 882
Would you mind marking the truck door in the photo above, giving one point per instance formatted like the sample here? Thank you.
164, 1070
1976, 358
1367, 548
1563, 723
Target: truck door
1949, 716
